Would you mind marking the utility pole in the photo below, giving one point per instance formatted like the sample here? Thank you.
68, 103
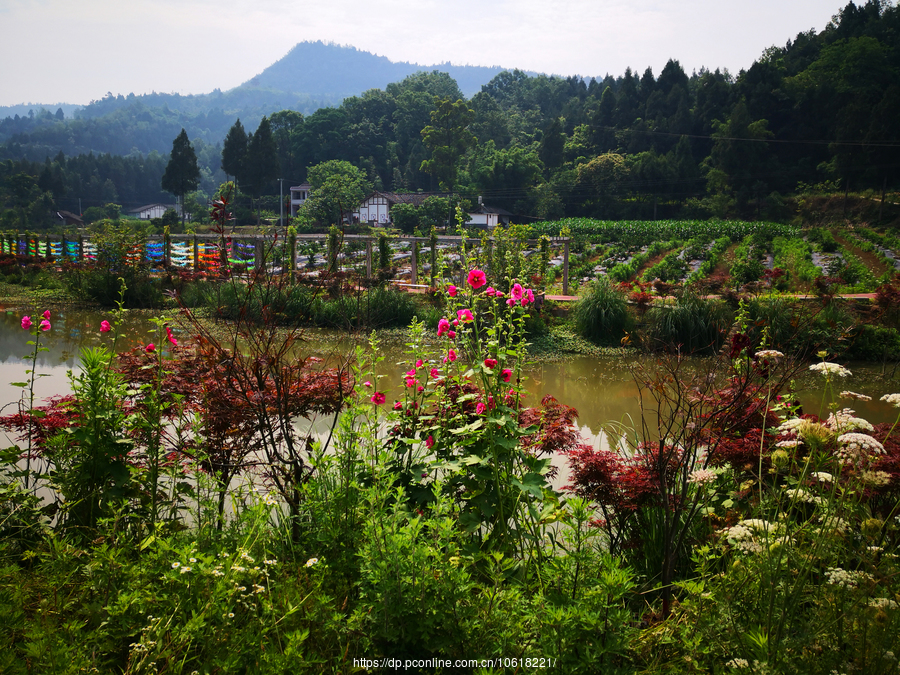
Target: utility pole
281, 202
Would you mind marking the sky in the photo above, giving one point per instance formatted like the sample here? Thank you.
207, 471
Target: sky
75, 51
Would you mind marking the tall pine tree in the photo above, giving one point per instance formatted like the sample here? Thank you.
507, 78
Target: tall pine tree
182, 172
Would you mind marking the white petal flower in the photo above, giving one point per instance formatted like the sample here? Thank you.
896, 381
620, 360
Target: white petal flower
828, 369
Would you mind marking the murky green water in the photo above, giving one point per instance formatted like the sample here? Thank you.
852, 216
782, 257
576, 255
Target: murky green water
602, 390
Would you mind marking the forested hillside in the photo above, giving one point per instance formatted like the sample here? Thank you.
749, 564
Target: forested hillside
818, 113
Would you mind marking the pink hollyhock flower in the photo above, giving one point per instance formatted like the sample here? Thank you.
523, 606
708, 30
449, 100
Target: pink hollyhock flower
435, 374
45, 325
490, 291
506, 374
419, 363
480, 408
529, 296
517, 292
26, 322
171, 337
411, 382
429, 442
451, 356
477, 279
420, 388
367, 384
464, 315
105, 327
397, 405
451, 334
150, 348
47, 314
410, 373
377, 398
510, 303
451, 291
443, 327
455, 322
491, 403
490, 363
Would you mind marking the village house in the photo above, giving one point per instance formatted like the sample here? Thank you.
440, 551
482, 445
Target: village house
152, 211
376, 209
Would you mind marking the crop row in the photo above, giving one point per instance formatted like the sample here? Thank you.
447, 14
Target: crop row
641, 233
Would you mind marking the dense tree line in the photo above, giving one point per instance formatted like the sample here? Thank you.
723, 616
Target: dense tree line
819, 111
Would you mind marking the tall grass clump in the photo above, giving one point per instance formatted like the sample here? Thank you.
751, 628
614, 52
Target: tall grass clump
602, 315
692, 325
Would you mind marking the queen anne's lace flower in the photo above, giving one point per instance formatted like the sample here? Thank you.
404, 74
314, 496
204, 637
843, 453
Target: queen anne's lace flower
787, 444
769, 354
893, 399
854, 448
822, 476
854, 396
743, 539
828, 369
702, 476
845, 420
875, 478
846, 578
789, 425
801, 495
884, 603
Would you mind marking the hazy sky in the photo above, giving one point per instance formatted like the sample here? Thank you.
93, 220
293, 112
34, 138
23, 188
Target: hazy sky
74, 51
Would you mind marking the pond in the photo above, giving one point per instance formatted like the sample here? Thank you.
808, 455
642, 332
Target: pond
601, 389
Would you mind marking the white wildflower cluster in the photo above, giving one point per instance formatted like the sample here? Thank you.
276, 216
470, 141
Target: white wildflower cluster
760, 525
311, 562
835, 524
845, 420
702, 476
738, 663
846, 578
269, 499
856, 448
883, 603
854, 396
789, 425
822, 476
805, 496
875, 478
829, 369
788, 444
243, 555
743, 539
893, 399
769, 354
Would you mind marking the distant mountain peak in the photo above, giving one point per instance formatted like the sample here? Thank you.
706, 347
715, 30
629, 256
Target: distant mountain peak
328, 68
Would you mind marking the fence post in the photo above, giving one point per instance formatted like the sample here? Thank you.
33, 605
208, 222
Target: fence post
369, 258
80, 248
167, 249
566, 267
196, 254
292, 253
414, 279
258, 257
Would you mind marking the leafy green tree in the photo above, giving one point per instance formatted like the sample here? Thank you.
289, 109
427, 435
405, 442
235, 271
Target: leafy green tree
553, 143
405, 217
182, 173
448, 138
599, 182
338, 188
